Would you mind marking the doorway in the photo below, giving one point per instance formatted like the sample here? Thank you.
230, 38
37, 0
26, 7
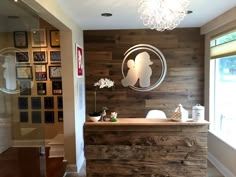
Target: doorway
31, 109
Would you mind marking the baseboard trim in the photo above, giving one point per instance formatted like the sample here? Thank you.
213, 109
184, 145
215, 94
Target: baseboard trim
225, 171
71, 168
30, 143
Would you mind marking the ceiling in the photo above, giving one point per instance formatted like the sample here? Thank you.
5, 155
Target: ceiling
16, 17
87, 13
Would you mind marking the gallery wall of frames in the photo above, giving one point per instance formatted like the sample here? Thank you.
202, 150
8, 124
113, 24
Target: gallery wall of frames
39, 105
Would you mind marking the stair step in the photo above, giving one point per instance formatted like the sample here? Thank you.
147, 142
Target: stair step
56, 153
56, 146
55, 143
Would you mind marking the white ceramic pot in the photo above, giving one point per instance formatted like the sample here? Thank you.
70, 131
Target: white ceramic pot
198, 112
94, 118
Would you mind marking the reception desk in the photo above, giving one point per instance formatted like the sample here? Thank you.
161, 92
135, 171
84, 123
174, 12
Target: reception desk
146, 148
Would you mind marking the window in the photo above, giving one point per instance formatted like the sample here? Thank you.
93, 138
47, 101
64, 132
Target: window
224, 39
223, 88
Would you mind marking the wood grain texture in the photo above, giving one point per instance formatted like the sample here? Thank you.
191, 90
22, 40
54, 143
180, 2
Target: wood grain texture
184, 81
28, 162
163, 151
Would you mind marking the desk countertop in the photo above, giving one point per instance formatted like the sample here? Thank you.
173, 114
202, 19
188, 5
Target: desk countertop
145, 122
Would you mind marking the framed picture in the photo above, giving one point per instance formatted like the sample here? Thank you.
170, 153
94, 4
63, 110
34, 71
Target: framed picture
41, 88
55, 38
49, 116
25, 87
48, 103
59, 102
36, 102
22, 57
79, 61
54, 72
39, 57
20, 39
55, 56
56, 87
40, 72
38, 38
36, 117
22, 102
60, 116
24, 72
24, 117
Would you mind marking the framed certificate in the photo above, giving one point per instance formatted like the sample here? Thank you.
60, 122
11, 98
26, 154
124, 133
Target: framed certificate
22, 57
20, 39
23, 102
55, 56
55, 38
56, 87
36, 102
59, 102
48, 103
38, 38
24, 72
24, 117
25, 87
60, 116
39, 56
49, 116
36, 117
40, 73
54, 72
41, 88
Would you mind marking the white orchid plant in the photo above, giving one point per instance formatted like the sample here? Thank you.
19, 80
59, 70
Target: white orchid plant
102, 83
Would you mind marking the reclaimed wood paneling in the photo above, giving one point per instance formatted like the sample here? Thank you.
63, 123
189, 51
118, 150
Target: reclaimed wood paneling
164, 150
183, 49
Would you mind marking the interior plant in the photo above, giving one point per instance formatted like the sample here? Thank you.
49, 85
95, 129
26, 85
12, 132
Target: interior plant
101, 83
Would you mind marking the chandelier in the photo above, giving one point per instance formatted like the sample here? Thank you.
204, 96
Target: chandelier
162, 14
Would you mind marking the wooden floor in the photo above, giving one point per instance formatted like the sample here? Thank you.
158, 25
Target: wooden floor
29, 162
212, 172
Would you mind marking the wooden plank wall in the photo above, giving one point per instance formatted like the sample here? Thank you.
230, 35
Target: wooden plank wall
183, 49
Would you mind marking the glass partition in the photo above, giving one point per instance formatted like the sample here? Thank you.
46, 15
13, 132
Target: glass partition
22, 128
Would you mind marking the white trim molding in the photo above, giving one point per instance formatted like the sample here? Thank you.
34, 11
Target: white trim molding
30, 143
225, 171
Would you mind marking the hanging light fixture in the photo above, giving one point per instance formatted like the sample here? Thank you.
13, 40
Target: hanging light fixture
162, 14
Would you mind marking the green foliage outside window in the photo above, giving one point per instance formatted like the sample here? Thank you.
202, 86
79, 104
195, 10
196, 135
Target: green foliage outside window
224, 39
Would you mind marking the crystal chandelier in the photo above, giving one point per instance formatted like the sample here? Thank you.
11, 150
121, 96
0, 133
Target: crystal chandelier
162, 14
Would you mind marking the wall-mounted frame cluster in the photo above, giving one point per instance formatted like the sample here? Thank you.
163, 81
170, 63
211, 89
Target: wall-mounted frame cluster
38, 72
49, 107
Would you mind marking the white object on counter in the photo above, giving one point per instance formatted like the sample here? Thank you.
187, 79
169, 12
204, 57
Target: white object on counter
198, 112
180, 114
94, 118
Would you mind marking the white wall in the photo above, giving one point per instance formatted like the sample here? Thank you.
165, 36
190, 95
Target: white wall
222, 155
74, 113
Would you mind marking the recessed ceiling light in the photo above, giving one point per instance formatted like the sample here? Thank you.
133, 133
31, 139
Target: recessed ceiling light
189, 12
106, 14
15, 0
